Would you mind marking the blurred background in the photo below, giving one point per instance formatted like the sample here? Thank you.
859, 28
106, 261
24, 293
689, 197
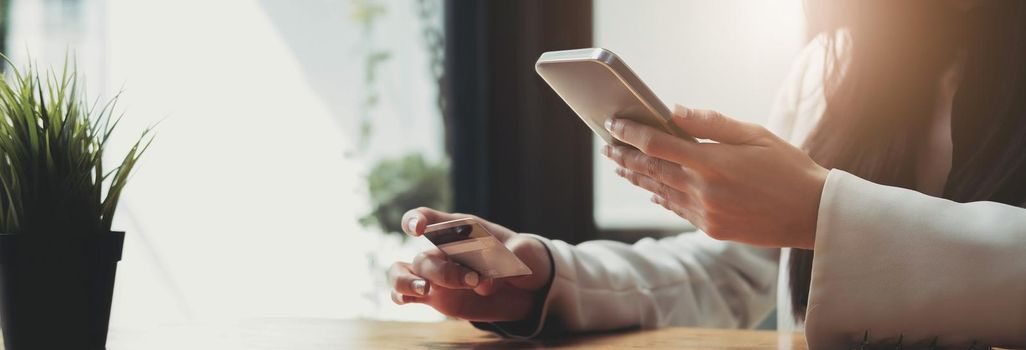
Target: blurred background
292, 135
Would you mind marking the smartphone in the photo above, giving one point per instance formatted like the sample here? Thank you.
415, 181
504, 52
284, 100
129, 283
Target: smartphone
598, 85
468, 243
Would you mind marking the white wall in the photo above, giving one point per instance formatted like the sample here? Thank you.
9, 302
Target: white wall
729, 55
246, 205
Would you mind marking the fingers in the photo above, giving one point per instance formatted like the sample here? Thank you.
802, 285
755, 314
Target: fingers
434, 266
406, 287
488, 287
660, 170
652, 141
400, 299
405, 282
446, 287
681, 210
669, 183
711, 125
416, 220
659, 189
491, 304
504, 305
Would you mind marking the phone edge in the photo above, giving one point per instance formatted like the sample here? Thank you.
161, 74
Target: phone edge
615, 65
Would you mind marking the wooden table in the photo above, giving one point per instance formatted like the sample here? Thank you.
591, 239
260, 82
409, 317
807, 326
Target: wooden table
315, 334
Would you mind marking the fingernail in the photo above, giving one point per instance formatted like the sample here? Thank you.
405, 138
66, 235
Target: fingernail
471, 279
621, 172
607, 150
419, 286
609, 124
412, 224
680, 111
397, 298
657, 199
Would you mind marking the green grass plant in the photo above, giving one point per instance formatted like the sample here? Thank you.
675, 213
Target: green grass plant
52, 144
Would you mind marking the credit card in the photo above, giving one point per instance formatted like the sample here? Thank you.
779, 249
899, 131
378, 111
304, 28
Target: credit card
468, 243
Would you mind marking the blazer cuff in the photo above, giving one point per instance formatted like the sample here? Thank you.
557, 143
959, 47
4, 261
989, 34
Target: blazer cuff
899, 263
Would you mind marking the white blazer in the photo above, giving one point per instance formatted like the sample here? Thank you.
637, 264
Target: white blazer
889, 260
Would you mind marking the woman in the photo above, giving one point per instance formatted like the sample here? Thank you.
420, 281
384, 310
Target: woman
918, 108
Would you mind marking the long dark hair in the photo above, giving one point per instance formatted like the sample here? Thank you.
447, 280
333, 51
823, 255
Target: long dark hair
881, 85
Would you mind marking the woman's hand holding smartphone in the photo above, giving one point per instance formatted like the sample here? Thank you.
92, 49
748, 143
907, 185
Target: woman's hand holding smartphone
433, 278
745, 185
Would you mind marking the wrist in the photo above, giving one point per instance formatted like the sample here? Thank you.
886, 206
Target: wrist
533, 324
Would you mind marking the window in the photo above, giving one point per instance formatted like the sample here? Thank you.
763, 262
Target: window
726, 55
253, 200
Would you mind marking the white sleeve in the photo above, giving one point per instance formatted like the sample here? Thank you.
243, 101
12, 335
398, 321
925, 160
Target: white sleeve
895, 262
684, 280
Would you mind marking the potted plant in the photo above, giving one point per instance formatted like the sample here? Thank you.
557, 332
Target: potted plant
58, 254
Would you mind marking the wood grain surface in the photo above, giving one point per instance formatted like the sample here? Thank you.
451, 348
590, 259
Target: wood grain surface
324, 334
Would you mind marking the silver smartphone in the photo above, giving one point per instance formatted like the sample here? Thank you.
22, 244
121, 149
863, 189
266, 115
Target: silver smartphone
468, 243
598, 85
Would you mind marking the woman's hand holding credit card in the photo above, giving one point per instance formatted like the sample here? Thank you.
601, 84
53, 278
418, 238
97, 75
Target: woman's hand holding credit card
477, 271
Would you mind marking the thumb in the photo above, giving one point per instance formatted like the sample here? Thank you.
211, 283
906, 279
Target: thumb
414, 221
711, 125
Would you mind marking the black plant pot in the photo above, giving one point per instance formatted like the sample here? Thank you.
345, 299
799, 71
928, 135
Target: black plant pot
56, 290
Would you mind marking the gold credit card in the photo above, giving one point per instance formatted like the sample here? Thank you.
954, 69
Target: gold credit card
468, 243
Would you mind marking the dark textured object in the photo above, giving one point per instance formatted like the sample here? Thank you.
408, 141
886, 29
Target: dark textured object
56, 290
